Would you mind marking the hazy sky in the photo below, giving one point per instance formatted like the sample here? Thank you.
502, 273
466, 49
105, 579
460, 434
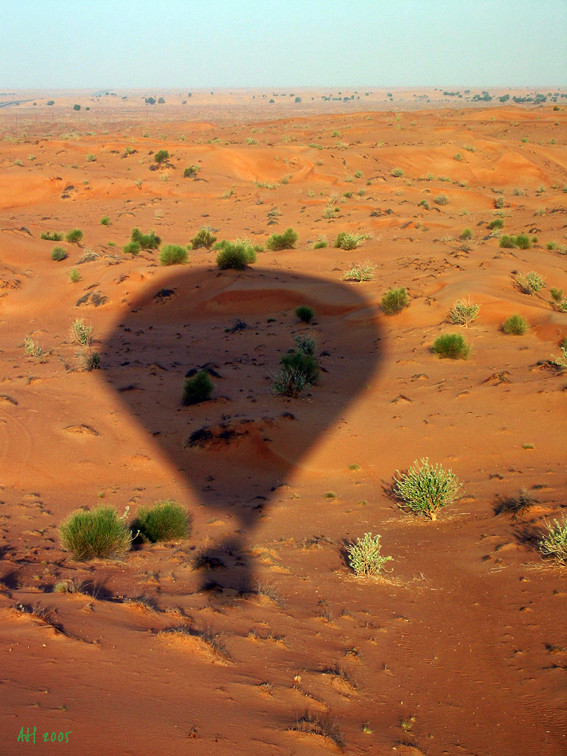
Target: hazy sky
282, 43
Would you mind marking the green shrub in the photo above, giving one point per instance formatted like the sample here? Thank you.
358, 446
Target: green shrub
320, 243
515, 325
91, 361
105, 220
197, 388
301, 362
394, 301
58, 254
499, 202
467, 234
74, 236
554, 544
305, 343
507, 242
424, 203
52, 236
359, 273
348, 241
146, 241
451, 346
529, 282
305, 313
523, 241
441, 199
74, 275
364, 556
172, 254
81, 332
556, 294
161, 156
132, 248
496, 224
463, 313
282, 241
236, 255
76, 107
191, 171
97, 534
203, 238
425, 489
396, 172
165, 521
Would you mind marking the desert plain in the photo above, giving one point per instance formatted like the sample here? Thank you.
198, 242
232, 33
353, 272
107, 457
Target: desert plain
253, 635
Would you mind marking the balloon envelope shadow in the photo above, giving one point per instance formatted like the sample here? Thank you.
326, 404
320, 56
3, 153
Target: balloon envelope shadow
238, 447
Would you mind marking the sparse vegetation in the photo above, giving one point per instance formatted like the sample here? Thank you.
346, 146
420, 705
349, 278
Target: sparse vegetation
425, 488
197, 388
466, 234
146, 241
305, 343
320, 243
105, 220
348, 241
515, 325
32, 348
463, 312
441, 199
396, 172
530, 282
191, 171
363, 272
172, 254
394, 301
282, 241
305, 313
52, 236
165, 521
58, 254
553, 545
451, 346
74, 236
81, 332
364, 556
96, 534
236, 255
161, 156
495, 224
74, 275
132, 248
203, 238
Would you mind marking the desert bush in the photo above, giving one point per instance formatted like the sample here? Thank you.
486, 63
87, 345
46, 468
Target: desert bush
305, 343
74, 275
100, 533
305, 313
236, 255
556, 294
197, 389
282, 241
554, 544
466, 234
132, 248
161, 156
425, 488
191, 171
146, 241
561, 361
74, 236
172, 254
495, 224
523, 241
288, 382
105, 220
203, 238
394, 301
529, 282
515, 325
91, 158
463, 312
320, 243
507, 242
348, 241
451, 346
81, 332
396, 172
91, 361
359, 273
76, 107
52, 236
499, 202
424, 203
165, 521
364, 556
32, 348
441, 199
58, 254
301, 362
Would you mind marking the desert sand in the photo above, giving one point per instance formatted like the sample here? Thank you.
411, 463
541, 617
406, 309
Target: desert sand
253, 636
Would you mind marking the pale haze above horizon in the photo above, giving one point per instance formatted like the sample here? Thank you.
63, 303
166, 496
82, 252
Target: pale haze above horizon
137, 44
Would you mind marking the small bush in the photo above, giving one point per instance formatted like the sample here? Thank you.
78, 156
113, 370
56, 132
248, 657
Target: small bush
364, 556
173, 254
203, 238
359, 273
197, 389
499, 202
191, 171
165, 521
425, 489
74, 275
132, 248
282, 241
74, 236
320, 243
105, 220
91, 361
556, 294
305, 344
305, 313
424, 203
348, 241
161, 156
523, 241
302, 362
394, 301
463, 313
146, 241
236, 255
81, 332
529, 282
467, 234
496, 224
451, 346
58, 254
31, 348
97, 534
507, 242
396, 172
288, 382
52, 236
441, 199
516, 325
554, 544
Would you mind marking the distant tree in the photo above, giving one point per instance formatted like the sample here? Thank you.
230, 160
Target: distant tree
51, 102
76, 107
298, 99
161, 101
150, 100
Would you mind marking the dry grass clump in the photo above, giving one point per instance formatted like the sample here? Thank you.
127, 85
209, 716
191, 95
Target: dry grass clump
165, 521
463, 312
100, 533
